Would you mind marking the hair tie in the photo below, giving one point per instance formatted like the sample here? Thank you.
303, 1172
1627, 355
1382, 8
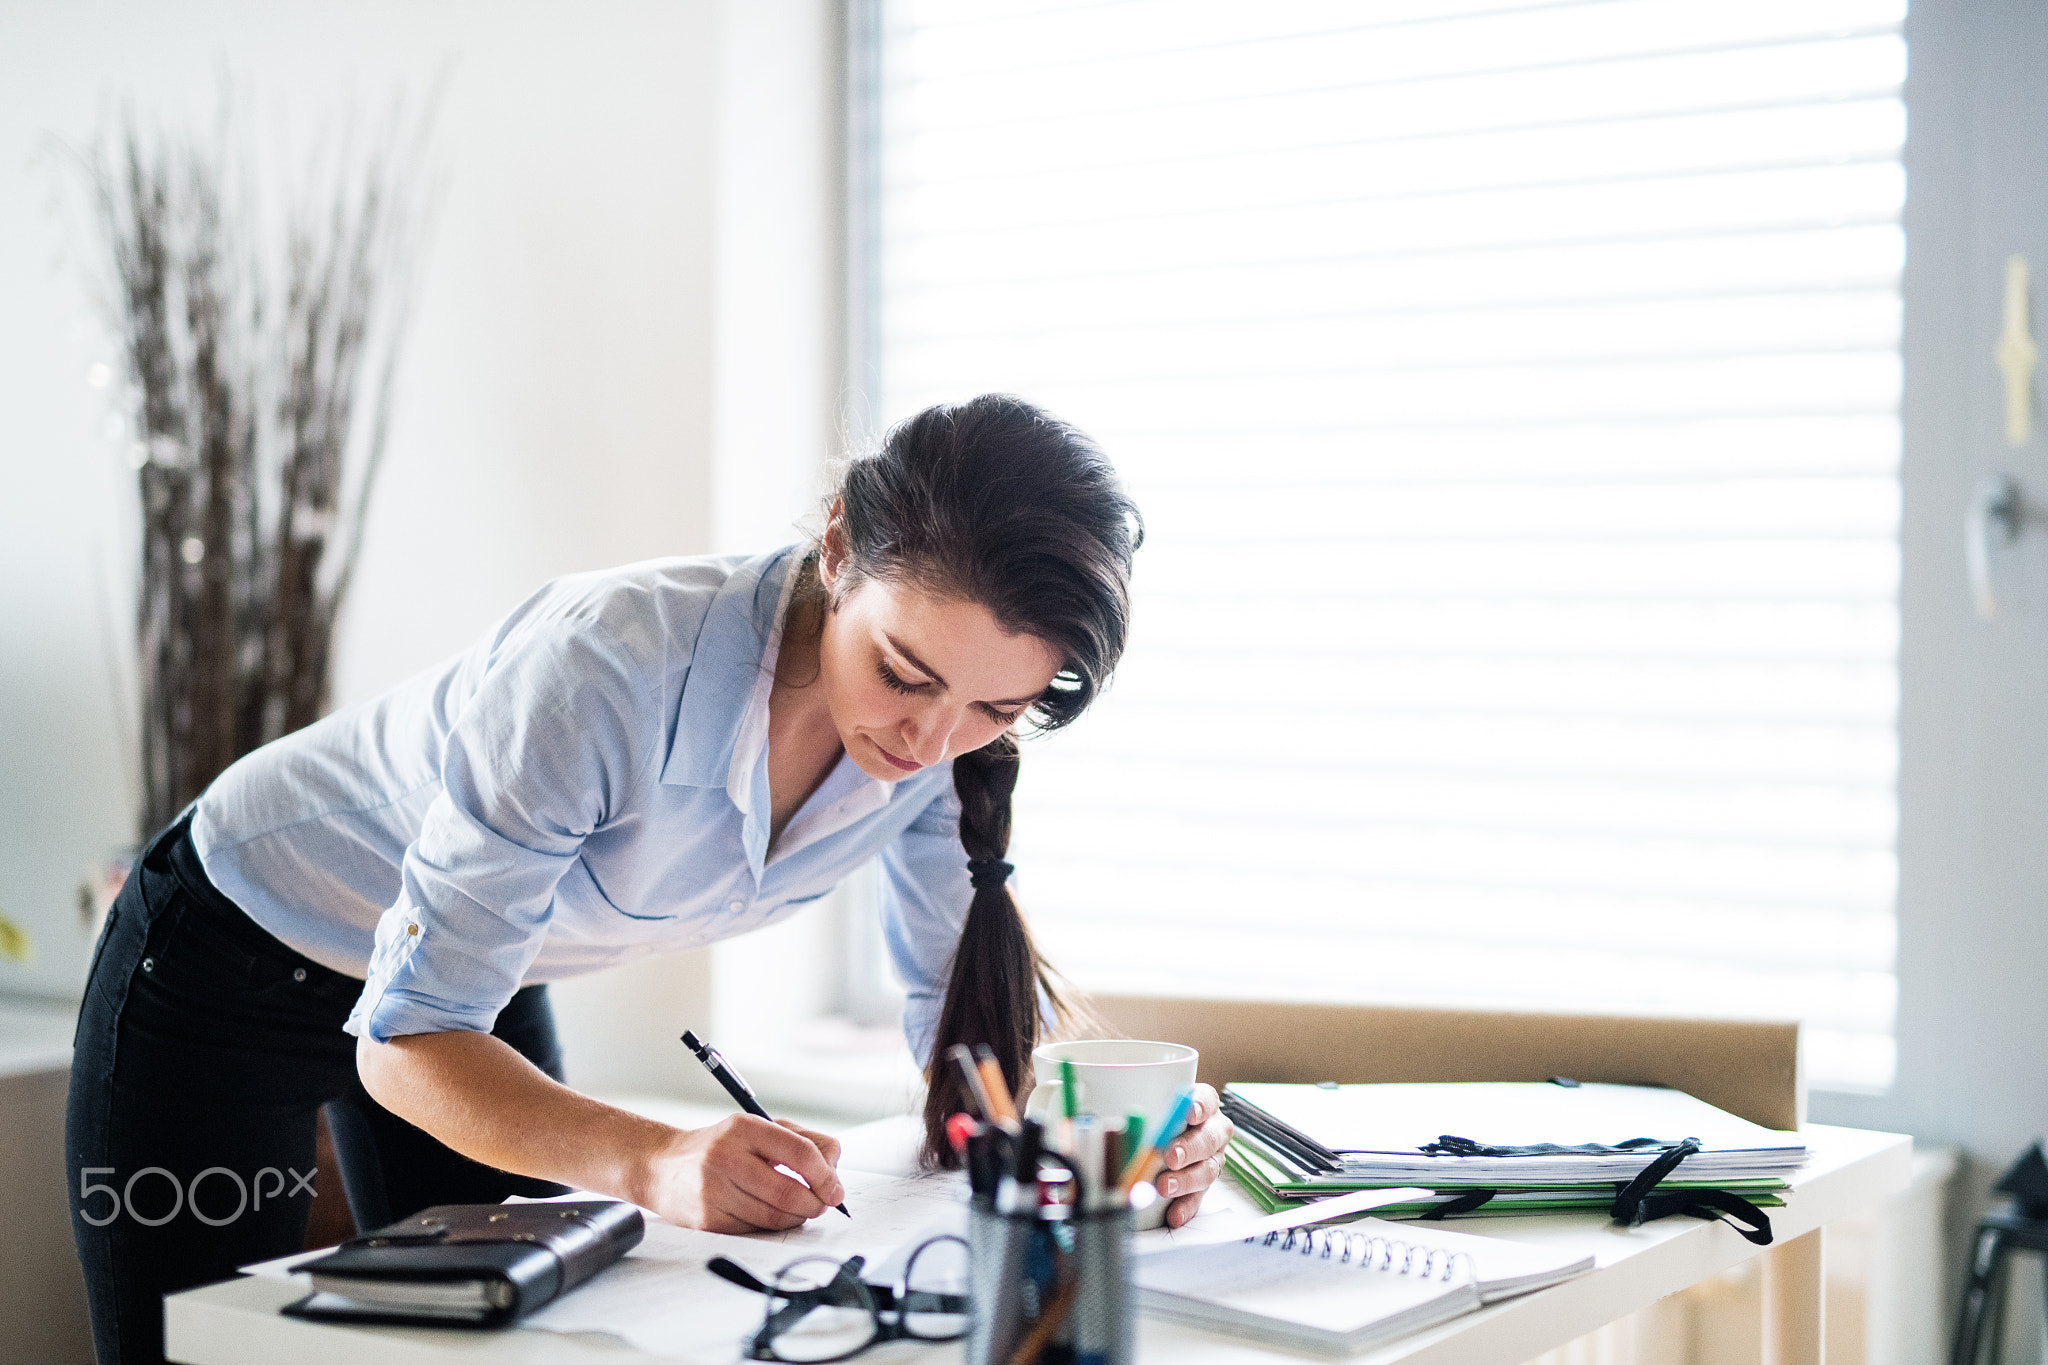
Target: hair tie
982, 872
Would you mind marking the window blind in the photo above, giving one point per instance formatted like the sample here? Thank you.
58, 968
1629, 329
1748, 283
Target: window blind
1512, 395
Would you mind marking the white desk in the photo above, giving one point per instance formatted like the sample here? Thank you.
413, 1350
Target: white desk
1850, 1172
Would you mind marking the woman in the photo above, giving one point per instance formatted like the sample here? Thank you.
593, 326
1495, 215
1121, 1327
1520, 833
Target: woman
650, 758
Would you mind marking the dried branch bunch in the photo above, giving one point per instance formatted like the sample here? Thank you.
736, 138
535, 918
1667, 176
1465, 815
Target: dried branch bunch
260, 370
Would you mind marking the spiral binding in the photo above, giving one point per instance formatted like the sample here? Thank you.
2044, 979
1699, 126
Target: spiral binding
1369, 1251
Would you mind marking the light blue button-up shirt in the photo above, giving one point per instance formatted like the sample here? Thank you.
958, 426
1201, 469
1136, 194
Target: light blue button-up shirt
586, 784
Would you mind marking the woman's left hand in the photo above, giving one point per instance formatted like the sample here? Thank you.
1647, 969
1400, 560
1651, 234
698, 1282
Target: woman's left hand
1195, 1158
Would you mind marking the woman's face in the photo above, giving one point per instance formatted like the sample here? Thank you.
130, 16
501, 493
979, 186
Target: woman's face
913, 679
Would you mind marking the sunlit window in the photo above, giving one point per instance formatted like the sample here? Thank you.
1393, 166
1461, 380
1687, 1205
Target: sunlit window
1512, 395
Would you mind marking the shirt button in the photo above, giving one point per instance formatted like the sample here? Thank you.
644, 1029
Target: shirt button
412, 929
298, 973
149, 964
736, 906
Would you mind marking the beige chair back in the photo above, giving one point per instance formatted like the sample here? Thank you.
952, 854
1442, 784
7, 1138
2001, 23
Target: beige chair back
1749, 1068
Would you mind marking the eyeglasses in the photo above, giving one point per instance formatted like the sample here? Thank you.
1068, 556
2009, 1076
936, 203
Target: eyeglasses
819, 1309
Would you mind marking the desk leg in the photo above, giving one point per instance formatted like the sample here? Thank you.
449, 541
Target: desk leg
1794, 1314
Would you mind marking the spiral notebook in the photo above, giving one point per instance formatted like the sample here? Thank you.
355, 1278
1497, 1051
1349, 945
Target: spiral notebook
1341, 1290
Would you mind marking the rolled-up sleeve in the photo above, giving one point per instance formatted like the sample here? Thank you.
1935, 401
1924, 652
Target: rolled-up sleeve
543, 751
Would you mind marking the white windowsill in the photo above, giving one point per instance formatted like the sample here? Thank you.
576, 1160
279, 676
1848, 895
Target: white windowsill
829, 1065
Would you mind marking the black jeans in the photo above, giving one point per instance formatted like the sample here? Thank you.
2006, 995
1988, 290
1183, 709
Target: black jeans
204, 1048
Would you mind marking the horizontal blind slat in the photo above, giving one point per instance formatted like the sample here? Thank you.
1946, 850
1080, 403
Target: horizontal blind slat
1236, 58
1042, 136
1495, 276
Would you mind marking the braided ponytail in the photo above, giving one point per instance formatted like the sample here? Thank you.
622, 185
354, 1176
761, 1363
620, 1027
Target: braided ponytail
995, 502
992, 994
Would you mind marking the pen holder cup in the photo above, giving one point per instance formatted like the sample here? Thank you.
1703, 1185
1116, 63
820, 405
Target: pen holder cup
1016, 1265
1105, 1310
998, 1282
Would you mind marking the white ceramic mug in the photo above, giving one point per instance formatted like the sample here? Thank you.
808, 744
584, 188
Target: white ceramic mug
1114, 1078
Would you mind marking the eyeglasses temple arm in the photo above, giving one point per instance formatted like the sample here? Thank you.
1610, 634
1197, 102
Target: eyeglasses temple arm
735, 1273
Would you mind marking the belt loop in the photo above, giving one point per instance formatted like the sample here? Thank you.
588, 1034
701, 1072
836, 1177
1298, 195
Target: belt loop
165, 837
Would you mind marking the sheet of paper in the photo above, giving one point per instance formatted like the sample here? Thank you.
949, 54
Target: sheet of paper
661, 1299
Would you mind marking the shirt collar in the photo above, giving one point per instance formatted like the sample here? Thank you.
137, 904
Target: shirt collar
730, 663
750, 741
722, 720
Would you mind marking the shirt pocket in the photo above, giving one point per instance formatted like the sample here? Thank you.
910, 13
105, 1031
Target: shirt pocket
604, 897
769, 911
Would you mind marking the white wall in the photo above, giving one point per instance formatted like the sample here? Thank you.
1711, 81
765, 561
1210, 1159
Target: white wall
1973, 728
556, 403
774, 368
776, 297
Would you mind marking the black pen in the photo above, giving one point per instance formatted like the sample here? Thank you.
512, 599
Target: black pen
722, 1072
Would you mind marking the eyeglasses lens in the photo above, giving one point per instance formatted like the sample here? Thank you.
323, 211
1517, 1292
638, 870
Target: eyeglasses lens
816, 1314
934, 1296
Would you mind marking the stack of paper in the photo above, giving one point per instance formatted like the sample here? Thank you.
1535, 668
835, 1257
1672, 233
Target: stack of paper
1304, 1141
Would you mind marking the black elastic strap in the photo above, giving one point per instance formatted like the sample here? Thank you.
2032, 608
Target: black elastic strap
1709, 1206
1451, 1208
1637, 1202
738, 1274
986, 872
1451, 1145
1629, 1197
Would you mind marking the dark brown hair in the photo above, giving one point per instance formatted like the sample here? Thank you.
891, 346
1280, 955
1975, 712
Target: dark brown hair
996, 502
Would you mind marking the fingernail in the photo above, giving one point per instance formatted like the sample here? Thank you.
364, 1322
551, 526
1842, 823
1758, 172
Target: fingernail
1172, 1186
1180, 1153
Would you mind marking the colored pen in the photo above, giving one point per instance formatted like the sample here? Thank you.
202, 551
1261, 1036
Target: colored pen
1144, 1165
1003, 1108
989, 1156
1112, 1165
1017, 1190
1032, 1345
961, 1129
1086, 1157
722, 1072
977, 1091
1069, 1105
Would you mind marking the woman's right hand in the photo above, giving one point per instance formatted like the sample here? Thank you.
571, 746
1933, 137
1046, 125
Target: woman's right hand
724, 1178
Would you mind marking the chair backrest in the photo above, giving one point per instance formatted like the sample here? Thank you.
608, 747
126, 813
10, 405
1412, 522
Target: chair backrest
1749, 1068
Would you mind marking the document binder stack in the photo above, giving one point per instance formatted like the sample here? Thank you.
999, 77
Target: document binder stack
1494, 1148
